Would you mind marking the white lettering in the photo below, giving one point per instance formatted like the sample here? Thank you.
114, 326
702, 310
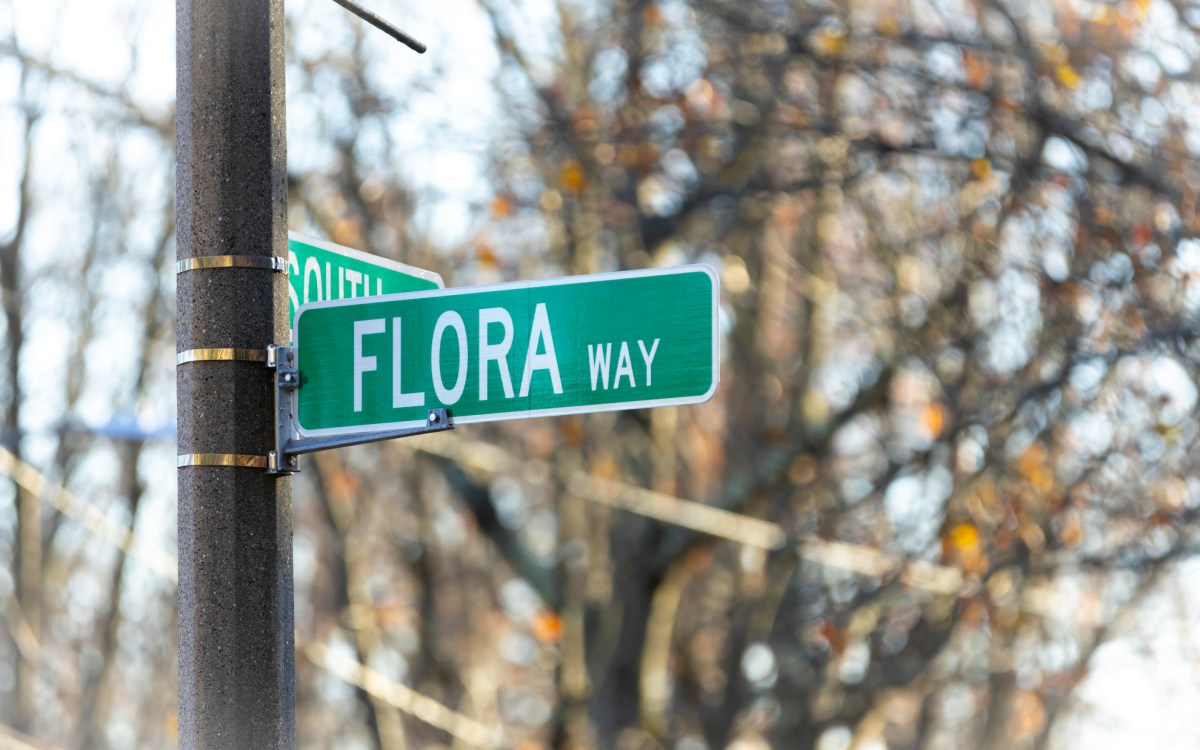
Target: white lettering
449, 319
498, 353
363, 364
648, 357
400, 399
540, 331
355, 278
624, 367
598, 362
312, 268
293, 270
341, 283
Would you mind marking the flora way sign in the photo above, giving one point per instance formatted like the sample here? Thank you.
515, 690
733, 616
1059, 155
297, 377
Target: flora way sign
320, 271
600, 342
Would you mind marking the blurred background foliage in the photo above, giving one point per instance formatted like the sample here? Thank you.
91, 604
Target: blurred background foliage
945, 496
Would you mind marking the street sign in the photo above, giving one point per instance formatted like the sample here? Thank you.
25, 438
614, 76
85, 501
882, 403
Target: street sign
601, 342
319, 271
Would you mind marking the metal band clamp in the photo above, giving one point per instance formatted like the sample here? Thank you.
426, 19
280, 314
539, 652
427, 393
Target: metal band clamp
239, 460
235, 460
221, 354
266, 262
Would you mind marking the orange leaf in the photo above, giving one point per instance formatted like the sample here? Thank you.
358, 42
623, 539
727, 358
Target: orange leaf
584, 119
647, 154
486, 255
345, 232
964, 536
547, 626
1071, 533
342, 484
500, 206
1031, 459
835, 638
699, 558
933, 419
1142, 234
981, 168
1067, 75
963, 545
604, 467
571, 429
890, 26
1028, 716
571, 176
829, 41
976, 69
1042, 480
1033, 466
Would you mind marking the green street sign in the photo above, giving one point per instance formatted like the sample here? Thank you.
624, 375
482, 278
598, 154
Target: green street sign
601, 342
319, 271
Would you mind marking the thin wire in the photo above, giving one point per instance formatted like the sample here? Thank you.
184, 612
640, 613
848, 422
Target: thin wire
382, 25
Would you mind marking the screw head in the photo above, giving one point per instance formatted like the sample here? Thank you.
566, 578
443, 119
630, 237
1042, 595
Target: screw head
433, 417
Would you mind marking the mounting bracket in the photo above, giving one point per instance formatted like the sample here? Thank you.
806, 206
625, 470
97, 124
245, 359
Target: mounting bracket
289, 445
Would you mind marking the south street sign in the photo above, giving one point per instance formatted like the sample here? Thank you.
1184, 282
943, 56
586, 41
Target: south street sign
319, 271
528, 349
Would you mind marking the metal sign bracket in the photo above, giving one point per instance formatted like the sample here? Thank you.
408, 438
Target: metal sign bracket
288, 445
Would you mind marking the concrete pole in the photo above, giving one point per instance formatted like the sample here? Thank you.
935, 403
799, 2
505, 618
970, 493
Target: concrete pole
236, 650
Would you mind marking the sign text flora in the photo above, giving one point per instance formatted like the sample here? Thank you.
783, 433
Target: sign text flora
541, 348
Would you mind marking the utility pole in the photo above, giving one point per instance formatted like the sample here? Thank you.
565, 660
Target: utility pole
236, 649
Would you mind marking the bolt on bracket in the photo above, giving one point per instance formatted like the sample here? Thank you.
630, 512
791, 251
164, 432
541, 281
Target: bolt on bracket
288, 444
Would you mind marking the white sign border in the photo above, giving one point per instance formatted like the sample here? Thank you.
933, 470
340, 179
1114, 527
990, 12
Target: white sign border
535, 413
348, 252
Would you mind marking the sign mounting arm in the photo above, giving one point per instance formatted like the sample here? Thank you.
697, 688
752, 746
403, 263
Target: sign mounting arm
282, 460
